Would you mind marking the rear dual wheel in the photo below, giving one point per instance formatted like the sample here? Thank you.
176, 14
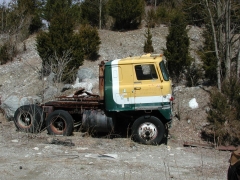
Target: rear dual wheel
59, 122
148, 130
29, 118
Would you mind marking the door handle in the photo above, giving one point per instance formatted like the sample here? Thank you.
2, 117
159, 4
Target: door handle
137, 88
160, 86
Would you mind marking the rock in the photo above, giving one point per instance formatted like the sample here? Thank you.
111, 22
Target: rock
50, 140
50, 92
87, 85
85, 73
13, 102
51, 78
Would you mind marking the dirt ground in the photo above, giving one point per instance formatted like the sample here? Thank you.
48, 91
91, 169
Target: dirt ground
40, 156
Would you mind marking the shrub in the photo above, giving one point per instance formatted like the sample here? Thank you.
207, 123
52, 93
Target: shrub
7, 52
193, 75
224, 115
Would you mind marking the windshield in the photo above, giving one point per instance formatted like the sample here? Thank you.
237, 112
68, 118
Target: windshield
164, 71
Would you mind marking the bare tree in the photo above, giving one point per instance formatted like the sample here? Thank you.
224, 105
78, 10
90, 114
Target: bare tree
58, 65
224, 32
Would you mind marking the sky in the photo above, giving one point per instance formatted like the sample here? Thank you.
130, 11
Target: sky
6, 1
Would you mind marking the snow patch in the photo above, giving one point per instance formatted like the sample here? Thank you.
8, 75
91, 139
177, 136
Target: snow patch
193, 103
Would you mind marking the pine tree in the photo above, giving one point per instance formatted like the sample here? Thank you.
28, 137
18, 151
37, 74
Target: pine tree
53, 8
90, 40
59, 49
208, 56
148, 48
127, 14
194, 12
177, 53
91, 12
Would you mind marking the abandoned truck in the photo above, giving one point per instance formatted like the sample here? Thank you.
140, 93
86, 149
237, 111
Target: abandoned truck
134, 88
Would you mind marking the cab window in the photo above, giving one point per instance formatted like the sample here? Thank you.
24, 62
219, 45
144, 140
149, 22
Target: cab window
145, 72
164, 71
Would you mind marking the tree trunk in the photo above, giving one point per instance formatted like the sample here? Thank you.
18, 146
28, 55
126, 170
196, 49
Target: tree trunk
228, 41
238, 60
216, 47
100, 14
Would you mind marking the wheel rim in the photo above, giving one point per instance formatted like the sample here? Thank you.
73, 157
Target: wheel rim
147, 131
58, 125
25, 120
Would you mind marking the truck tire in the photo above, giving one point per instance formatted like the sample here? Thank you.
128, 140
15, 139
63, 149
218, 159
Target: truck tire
148, 130
29, 118
59, 122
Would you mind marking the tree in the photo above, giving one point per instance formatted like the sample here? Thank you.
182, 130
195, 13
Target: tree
30, 8
151, 18
60, 46
94, 12
224, 31
88, 36
52, 8
127, 14
18, 20
148, 48
208, 56
177, 54
194, 12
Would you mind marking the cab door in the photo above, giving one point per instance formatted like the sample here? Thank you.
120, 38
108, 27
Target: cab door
147, 87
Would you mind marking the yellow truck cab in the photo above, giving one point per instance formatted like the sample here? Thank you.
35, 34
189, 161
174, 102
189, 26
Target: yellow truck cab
140, 84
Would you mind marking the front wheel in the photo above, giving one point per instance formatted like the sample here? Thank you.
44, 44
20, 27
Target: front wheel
59, 122
148, 130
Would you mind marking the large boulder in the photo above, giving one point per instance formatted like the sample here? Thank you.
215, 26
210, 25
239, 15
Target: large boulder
13, 102
50, 93
85, 73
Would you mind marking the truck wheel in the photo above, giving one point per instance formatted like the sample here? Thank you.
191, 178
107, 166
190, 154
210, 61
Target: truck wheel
28, 118
148, 130
59, 122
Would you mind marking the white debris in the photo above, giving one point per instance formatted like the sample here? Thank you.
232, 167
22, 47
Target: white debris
36, 148
193, 103
81, 148
15, 140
